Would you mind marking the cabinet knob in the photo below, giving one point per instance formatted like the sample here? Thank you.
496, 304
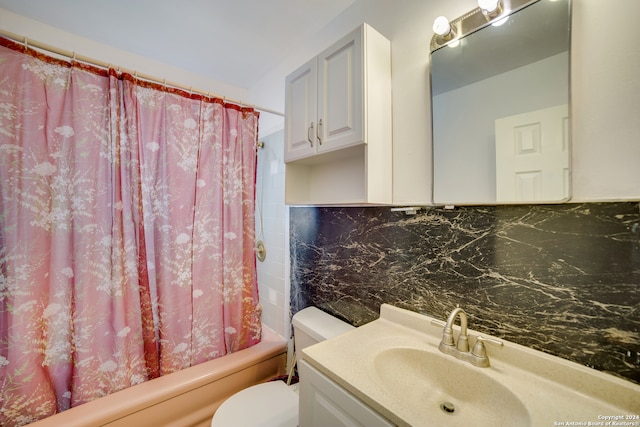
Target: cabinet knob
319, 132
309, 129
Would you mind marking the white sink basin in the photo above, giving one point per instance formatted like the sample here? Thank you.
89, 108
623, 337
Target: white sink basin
394, 366
448, 391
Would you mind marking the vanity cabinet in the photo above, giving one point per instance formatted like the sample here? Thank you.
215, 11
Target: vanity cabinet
324, 403
338, 141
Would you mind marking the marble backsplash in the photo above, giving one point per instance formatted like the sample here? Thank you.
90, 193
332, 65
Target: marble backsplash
563, 279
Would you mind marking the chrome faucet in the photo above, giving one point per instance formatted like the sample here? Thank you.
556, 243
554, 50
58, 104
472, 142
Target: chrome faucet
478, 356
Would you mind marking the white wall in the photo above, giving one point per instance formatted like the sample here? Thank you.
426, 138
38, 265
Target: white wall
605, 85
407, 24
271, 228
36, 30
605, 90
605, 101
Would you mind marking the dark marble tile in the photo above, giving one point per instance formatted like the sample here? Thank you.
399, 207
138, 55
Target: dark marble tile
563, 279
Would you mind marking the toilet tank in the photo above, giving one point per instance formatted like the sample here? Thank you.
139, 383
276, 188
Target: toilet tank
312, 325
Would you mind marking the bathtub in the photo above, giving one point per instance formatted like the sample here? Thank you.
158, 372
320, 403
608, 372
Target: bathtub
185, 398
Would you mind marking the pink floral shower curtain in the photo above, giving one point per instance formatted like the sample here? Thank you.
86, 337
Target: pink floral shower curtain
127, 230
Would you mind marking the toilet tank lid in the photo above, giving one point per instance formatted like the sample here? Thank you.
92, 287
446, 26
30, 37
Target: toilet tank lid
318, 324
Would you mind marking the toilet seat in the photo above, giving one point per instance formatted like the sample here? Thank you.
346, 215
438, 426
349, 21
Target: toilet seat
269, 404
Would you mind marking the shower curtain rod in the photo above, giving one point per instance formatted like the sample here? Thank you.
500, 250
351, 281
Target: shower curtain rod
72, 55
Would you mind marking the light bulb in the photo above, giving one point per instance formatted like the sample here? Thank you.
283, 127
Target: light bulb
488, 6
441, 26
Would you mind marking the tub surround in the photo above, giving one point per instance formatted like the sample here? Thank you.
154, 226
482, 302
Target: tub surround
563, 279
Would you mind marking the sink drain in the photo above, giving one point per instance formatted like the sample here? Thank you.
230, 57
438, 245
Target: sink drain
448, 407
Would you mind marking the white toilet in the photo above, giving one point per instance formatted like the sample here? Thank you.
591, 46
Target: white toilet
274, 404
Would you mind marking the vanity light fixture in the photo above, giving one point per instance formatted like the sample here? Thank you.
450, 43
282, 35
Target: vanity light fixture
488, 12
443, 29
490, 8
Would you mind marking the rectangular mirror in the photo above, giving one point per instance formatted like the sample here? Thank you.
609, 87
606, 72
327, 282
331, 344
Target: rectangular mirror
500, 106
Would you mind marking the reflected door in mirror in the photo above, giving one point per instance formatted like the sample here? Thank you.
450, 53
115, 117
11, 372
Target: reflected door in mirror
532, 156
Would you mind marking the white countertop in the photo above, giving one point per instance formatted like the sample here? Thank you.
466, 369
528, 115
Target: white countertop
552, 389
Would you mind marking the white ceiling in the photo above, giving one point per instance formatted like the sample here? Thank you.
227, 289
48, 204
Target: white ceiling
233, 41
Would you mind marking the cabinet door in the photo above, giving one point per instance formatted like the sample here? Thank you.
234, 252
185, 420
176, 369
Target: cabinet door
324, 403
340, 93
301, 112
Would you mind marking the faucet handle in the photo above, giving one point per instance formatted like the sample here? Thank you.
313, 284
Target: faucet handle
479, 348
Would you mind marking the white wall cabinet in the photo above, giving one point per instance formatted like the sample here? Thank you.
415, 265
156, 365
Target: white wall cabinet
324, 403
338, 135
301, 112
